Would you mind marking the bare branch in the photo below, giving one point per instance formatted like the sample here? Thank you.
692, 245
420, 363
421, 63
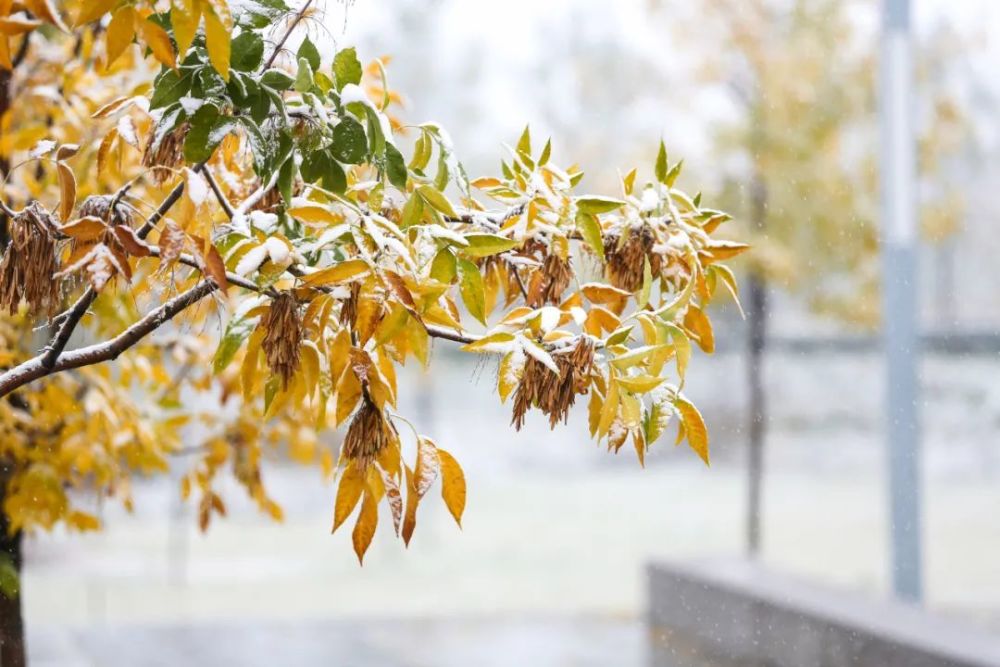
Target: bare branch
34, 369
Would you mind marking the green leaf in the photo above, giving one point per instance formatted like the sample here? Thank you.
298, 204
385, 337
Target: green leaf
413, 211
309, 51
350, 145
170, 87
524, 143
237, 331
596, 205
395, 166
647, 284
444, 267
208, 129
471, 288
304, 78
321, 167
484, 245
590, 230
277, 79
546, 152
347, 67
10, 582
436, 200
247, 52
674, 173
661, 163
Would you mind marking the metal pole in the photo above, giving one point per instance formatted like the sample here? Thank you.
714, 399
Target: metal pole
900, 309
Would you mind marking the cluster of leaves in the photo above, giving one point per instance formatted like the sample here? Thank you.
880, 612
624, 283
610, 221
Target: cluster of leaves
285, 191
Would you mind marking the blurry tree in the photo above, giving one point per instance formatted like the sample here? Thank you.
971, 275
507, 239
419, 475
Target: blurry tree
181, 162
800, 162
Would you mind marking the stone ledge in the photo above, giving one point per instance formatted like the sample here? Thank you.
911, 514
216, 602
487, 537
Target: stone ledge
732, 612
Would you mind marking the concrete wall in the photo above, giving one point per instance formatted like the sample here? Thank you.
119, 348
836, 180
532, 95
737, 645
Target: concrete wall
732, 613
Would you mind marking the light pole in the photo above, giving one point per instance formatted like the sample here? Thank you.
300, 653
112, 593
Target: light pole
900, 311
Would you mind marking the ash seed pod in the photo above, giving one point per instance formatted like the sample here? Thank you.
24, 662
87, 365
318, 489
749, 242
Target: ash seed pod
369, 433
165, 154
282, 337
30, 262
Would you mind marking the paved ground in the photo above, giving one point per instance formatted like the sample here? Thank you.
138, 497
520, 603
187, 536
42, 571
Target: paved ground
457, 642
556, 535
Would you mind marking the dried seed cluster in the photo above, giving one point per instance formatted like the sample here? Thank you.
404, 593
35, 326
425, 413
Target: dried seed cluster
99, 206
548, 284
282, 337
554, 393
369, 433
165, 156
626, 257
30, 263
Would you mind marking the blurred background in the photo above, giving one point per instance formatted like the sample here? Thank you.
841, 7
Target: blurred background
774, 106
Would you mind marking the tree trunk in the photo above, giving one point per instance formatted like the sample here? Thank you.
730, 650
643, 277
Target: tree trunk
12, 650
757, 399
12, 646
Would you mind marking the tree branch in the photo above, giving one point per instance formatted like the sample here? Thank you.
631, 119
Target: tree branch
34, 369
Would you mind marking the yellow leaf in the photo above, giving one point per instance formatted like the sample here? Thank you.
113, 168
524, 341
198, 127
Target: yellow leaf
428, 466
314, 213
348, 394
496, 342
352, 484
452, 485
640, 384
682, 347
44, 10
609, 410
67, 191
594, 409
394, 498
436, 200
364, 529
698, 323
121, 31
337, 273
185, 15
5, 62
217, 38
17, 26
89, 228
91, 10
722, 250
412, 500
511, 369
158, 41
251, 361
694, 427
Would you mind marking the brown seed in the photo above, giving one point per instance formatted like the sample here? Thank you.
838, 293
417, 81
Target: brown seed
282, 337
163, 157
99, 206
369, 433
554, 393
30, 263
626, 257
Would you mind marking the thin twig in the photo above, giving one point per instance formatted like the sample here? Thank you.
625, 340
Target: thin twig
288, 33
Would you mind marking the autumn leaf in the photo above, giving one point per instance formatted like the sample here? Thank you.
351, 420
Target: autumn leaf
364, 529
352, 484
694, 427
452, 485
121, 31
158, 42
